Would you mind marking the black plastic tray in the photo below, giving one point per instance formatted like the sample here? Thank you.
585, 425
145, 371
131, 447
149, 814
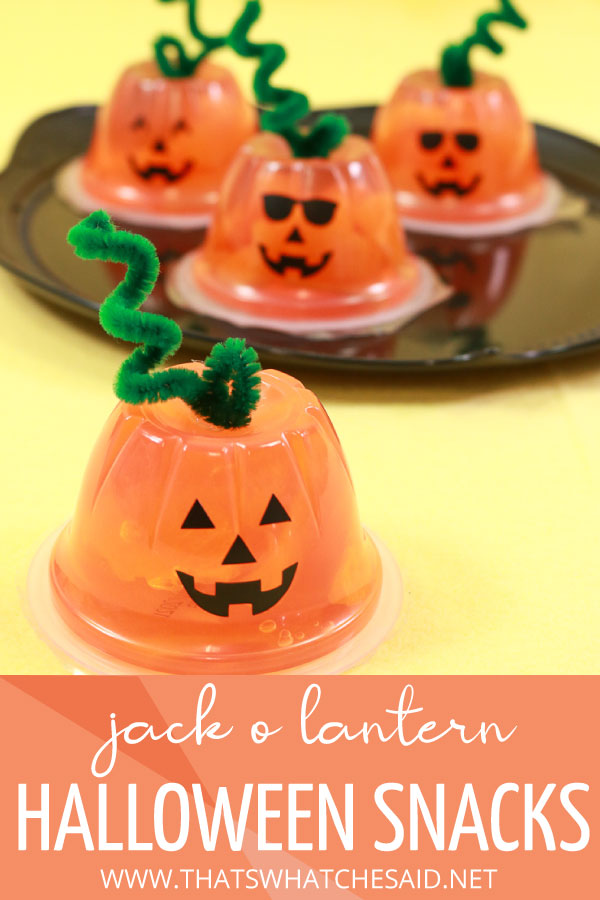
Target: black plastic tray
516, 299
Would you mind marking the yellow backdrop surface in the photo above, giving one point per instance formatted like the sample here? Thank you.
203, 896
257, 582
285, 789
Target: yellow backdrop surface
486, 486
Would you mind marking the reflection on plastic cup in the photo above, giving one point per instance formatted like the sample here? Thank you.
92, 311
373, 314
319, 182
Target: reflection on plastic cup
195, 548
458, 154
480, 272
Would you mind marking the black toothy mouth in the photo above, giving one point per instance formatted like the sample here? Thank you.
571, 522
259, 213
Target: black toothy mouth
149, 172
293, 262
442, 187
236, 593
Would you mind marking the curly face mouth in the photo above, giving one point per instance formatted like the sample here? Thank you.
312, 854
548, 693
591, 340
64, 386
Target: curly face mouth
164, 172
228, 594
293, 262
437, 188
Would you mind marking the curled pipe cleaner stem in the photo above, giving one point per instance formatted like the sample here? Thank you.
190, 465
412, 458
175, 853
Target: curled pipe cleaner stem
167, 46
226, 392
455, 67
285, 107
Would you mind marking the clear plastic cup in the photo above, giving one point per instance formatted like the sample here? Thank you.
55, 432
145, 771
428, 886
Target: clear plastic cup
459, 154
302, 244
195, 549
161, 146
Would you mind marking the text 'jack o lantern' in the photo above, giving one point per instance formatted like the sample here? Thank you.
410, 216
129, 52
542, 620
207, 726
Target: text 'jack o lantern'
305, 240
458, 154
161, 145
193, 547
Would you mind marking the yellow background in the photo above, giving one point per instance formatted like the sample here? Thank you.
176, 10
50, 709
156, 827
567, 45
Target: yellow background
486, 486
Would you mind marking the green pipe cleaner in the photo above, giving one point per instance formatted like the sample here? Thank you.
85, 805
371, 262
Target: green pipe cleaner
285, 106
455, 67
184, 65
226, 392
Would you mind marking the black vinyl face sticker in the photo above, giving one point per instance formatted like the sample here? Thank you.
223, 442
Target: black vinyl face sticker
467, 140
431, 140
451, 146
227, 593
316, 211
160, 168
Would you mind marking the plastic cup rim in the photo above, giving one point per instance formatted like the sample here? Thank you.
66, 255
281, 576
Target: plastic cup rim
83, 658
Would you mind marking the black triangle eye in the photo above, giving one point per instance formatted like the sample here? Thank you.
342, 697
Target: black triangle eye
274, 512
197, 517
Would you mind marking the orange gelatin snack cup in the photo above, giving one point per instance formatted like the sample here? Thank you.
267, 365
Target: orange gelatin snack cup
459, 154
299, 240
198, 549
161, 146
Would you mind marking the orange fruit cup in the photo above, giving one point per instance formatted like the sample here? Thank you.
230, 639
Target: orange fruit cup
161, 147
195, 549
461, 155
302, 244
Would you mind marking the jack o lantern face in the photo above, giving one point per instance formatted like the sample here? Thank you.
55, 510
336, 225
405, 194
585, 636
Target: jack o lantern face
240, 592
458, 154
157, 161
279, 208
163, 144
305, 239
448, 149
194, 548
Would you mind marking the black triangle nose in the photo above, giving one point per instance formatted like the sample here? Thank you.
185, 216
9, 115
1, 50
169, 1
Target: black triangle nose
159, 146
238, 553
295, 237
448, 163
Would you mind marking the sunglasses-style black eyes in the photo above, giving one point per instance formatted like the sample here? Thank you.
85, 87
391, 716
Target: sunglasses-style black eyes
318, 212
140, 122
278, 207
466, 140
431, 139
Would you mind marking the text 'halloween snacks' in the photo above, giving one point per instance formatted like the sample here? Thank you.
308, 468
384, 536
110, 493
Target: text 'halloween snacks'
162, 143
305, 238
216, 529
459, 153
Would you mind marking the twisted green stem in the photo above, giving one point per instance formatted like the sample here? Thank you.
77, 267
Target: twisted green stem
226, 392
167, 46
285, 107
455, 67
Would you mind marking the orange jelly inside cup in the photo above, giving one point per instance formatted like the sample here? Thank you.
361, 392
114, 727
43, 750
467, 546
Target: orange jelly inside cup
195, 548
460, 154
305, 239
162, 145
